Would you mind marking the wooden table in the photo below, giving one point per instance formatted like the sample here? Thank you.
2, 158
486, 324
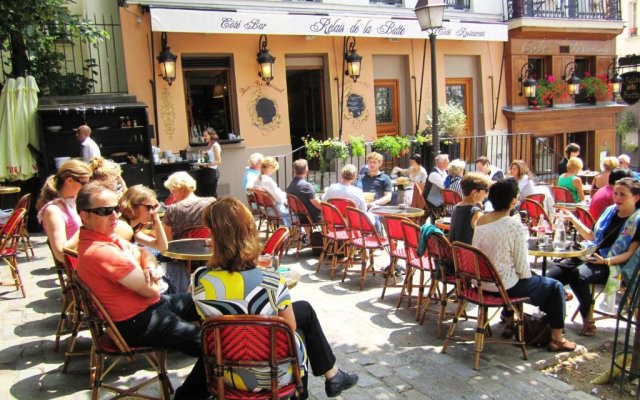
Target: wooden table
189, 250
549, 251
409, 212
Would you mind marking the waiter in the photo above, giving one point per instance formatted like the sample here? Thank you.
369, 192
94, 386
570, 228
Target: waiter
89, 148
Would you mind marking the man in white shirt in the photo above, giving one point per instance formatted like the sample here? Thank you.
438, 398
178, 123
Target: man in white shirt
346, 189
435, 181
90, 149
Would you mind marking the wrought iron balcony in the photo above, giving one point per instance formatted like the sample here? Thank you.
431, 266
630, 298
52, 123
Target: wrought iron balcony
561, 9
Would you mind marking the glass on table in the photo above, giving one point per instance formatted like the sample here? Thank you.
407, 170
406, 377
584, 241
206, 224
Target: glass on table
265, 261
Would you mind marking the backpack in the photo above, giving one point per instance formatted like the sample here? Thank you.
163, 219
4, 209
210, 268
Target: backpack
536, 330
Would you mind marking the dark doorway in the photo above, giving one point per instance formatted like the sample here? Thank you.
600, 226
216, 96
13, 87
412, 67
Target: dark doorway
306, 105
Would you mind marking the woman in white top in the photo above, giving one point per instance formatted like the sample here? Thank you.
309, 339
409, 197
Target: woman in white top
417, 175
210, 172
264, 181
520, 172
503, 239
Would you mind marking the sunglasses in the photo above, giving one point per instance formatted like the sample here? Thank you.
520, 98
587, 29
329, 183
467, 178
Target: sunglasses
104, 211
149, 207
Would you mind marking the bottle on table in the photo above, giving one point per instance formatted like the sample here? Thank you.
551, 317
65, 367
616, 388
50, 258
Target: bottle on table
541, 229
559, 235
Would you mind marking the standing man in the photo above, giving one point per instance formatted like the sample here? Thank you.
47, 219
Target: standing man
346, 189
375, 181
304, 191
484, 165
252, 172
121, 276
90, 149
435, 184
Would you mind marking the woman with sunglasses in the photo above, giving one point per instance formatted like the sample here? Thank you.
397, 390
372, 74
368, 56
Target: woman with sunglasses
139, 207
616, 236
56, 206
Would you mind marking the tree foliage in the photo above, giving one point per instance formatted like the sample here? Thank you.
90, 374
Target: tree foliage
31, 31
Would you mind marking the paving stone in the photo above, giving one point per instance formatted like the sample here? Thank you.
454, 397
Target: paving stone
378, 370
557, 384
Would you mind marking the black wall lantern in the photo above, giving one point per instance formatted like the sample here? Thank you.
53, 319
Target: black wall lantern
528, 85
265, 60
352, 59
569, 76
167, 61
614, 79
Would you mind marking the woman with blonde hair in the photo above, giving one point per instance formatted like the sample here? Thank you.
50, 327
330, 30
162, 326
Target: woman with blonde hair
108, 172
139, 207
602, 179
231, 284
456, 171
186, 210
56, 206
264, 181
571, 180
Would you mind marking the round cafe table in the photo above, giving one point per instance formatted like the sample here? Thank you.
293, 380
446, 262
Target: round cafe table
189, 250
549, 251
409, 212
444, 224
7, 190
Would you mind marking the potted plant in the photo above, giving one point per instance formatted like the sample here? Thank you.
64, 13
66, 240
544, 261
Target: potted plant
315, 149
335, 149
594, 86
357, 146
548, 89
628, 129
388, 144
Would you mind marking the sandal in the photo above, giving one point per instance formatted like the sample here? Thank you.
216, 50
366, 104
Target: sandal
568, 296
588, 329
563, 345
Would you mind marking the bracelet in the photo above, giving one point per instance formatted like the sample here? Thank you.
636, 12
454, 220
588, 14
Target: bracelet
608, 261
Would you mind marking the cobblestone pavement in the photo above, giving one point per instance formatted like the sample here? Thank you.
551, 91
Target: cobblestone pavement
395, 357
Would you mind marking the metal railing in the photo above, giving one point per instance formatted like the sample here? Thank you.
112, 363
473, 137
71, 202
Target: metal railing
573, 9
100, 66
501, 149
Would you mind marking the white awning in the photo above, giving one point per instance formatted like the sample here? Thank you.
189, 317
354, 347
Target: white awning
283, 23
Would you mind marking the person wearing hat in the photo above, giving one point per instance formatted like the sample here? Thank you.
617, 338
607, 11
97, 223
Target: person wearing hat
89, 148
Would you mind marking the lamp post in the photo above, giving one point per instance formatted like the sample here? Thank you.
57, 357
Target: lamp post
351, 63
430, 14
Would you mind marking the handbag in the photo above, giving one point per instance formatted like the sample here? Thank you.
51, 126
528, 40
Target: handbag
536, 330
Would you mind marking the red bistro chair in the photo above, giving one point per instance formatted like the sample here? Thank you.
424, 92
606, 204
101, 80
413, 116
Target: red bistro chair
364, 237
277, 242
534, 212
415, 263
562, 194
300, 220
397, 248
450, 198
539, 197
335, 236
474, 270
195, 232
342, 204
249, 341
74, 312
9, 240
270, 213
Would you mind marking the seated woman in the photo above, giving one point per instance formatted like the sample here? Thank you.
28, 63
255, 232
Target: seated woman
57, 206
264, 181
186, 210
475, 186
231, 284
616, 236
109, 172
520, 172
571, 180
601, 180
503, 239
139, 207
456, 171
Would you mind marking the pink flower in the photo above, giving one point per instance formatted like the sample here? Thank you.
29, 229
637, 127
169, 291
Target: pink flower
551, 79
587, 74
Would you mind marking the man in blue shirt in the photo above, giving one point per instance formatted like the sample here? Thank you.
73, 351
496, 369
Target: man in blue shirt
375, 181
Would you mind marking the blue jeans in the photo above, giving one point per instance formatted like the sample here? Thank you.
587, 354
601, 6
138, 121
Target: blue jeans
544, 292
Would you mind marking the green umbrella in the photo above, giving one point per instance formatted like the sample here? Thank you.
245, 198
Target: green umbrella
18, 107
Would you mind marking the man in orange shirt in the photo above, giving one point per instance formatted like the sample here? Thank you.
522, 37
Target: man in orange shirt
121, 276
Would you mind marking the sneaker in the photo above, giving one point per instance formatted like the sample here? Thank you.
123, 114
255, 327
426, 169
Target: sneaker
341, 381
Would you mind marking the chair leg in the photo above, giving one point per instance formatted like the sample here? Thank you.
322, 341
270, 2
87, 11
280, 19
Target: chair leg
444, 295
97, 361
391, 271
452, 329
479, 336
420, 293
325, 246
407, 287
433, 287
520, 330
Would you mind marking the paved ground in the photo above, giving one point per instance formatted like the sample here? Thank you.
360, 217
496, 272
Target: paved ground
395, 357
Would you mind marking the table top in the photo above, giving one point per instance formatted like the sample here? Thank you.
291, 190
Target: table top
587, 173
443, 224
410, 212
189, 249
549, 251
9, 189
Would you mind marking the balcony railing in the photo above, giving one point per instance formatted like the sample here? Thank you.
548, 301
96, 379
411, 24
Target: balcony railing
573, 9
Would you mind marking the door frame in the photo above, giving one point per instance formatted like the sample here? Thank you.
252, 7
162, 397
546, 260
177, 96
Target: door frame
392, 128
468, 106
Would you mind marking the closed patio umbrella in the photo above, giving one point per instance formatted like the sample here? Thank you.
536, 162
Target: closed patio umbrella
18, 107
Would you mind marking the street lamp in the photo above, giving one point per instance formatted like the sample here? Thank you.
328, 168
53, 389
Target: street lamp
167, 61
569, 76
528, 85
351, 63
265, 60
430, 13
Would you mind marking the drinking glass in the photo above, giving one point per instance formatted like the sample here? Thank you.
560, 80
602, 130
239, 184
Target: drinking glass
265, 261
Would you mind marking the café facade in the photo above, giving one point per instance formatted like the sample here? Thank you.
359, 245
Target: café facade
217, 82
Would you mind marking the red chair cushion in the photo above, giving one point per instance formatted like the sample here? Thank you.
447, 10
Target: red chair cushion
369, 242
488, 300
338, 235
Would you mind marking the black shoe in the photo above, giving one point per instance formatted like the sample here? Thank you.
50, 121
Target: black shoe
341, 381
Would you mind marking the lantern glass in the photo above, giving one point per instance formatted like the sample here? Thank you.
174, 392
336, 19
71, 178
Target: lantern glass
429, 14
529, 88
616, 85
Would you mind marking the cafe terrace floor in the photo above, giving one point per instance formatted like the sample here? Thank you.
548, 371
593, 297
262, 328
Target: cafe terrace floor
395, 357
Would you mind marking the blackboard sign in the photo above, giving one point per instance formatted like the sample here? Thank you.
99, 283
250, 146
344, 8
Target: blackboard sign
355, 105
266, 109
630, 91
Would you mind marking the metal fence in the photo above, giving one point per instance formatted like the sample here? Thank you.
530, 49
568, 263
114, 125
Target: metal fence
501, 149
574, 9
102, 62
